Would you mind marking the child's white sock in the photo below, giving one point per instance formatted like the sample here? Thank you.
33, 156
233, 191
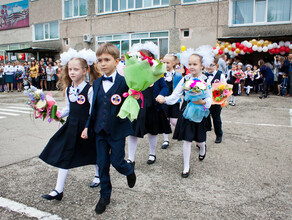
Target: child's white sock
96, 178
62, 174
132, 147
202, 146
165, 136
234, 99
152, 140
186, 155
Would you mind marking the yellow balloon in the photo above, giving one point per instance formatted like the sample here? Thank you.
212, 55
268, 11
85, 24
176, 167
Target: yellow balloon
237, 50
217, 45
254, 41
227, 44
183, 48
229, 47
259, 43
222, 47
266, 43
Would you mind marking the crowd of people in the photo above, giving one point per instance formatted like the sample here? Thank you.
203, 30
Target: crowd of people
43, 74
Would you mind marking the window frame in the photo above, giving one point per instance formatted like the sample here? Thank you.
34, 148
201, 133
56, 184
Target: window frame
73, 17
199, 2
127, 10
254, 23
130, 39
49, 29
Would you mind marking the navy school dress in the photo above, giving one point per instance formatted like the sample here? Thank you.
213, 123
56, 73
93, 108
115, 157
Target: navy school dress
152, 118
231, 81
188, 130
66, 149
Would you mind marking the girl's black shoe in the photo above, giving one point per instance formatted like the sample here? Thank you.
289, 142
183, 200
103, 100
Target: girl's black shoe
202, 157
185, 175
58, 197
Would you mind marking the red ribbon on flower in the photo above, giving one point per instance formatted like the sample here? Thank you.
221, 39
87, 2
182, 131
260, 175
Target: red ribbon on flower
126, 94
147, 58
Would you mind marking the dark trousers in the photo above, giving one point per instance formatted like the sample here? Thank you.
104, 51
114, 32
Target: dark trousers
215, 112
289, 88
266, 88
110, 151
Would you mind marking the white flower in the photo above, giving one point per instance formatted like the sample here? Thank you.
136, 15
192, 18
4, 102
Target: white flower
41, 104
201, 85
188, 84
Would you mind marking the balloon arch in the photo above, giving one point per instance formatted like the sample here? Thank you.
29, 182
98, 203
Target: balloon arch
248, 47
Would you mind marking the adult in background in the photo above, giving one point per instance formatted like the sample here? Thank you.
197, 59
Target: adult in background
222, 65
43, 75
9, 78
268, 78
51, 72
288, 70
34, 74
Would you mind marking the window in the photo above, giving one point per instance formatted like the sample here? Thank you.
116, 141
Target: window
108, 6
261, 11
125, 41
185, 32
66, 41
75, 8
198, 1
46, 31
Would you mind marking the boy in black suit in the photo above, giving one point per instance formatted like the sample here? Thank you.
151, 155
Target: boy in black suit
215, 110
109, 131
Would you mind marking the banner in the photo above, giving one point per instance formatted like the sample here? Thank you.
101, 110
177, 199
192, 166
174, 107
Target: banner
14, 15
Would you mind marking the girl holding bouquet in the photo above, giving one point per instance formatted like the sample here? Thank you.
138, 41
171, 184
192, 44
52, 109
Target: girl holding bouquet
66, 149
231, 79
241, 77
152, 119
172, 78
249, 79
186, 129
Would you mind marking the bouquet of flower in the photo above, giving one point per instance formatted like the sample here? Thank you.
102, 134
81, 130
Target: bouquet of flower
239, 75
43, 106
195, 90
18, 74
140, 72
220, 93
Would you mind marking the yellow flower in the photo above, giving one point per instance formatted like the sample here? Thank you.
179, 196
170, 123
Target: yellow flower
222, 87
41, 104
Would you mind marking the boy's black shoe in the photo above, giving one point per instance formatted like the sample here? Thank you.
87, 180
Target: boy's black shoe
131, 180
218, 140
101, 205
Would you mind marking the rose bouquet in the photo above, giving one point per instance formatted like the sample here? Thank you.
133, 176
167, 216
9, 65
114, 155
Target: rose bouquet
195, 90
239, 75
140, 72
220, 93
43, 105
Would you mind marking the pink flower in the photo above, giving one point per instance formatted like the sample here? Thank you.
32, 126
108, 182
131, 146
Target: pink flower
225, 92
58, 114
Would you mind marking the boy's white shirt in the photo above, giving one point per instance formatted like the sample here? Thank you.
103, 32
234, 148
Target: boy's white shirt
107, 84
178, 92
210, 78
66, 110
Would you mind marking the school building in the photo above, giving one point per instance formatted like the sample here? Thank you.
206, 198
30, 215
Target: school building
42, 28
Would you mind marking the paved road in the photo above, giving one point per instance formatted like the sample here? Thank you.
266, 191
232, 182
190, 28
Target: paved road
247, 176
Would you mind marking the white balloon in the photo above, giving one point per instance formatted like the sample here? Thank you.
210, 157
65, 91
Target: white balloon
242, 52
262, 41
249, 45
226, 50
260, 49
218, 48
281, 43
290, 47
265, 49
270, 46
275, 45
287, 43
233, 45
255, 48
243, 43
216, 51
230, 53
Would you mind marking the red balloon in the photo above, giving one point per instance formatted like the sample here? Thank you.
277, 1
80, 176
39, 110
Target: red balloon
282, 49
273, 50
214, 48
241, 46
233, 49
237, 44
220, 52
23, 56
287, 50
1, 57
277, 50
245, 49
250, 50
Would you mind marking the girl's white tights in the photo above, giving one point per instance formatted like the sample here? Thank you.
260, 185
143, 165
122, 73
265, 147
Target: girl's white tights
187, 153
152, 141
173, 122
62, 174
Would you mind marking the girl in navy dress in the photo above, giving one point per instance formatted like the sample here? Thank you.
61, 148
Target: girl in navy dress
172, 78
152, 119
66, 149
185, 129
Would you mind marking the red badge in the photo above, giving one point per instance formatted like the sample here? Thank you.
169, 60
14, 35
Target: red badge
81, 99
116, 99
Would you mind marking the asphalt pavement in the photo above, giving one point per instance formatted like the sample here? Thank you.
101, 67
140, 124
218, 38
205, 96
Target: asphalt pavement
247, 176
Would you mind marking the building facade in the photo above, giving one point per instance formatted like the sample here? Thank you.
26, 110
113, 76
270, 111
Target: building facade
56, 25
